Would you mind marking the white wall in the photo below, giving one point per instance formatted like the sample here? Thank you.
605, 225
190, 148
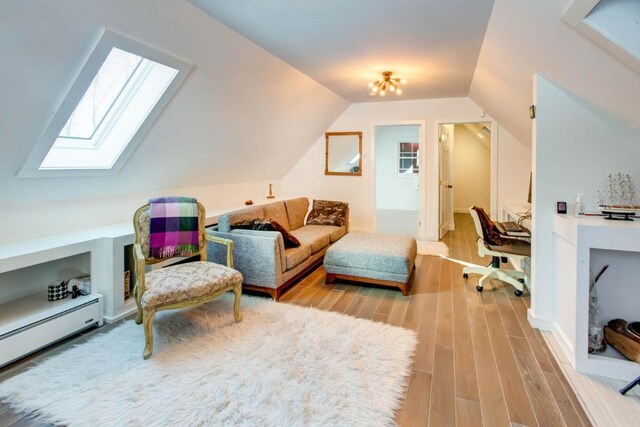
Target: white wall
576, 145
514, 167
394, 191
307, 176
242, 115
526, 37
471, 162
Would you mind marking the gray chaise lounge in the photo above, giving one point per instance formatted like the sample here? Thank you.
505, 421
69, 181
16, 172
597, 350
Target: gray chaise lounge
261, 256
373, 258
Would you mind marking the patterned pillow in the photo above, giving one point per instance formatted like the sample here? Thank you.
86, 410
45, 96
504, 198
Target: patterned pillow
326, 212
290, 241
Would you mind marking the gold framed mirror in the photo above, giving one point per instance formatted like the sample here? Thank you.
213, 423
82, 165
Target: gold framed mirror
343, 153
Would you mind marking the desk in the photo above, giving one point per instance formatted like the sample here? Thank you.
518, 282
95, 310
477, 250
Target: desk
510, 212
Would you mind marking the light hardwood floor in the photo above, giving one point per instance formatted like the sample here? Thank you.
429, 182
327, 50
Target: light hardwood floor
478, 362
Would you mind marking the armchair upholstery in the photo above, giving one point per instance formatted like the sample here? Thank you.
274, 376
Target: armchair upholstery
180, 285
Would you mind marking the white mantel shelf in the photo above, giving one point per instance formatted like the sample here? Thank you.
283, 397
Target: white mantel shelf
573, 239
106, 248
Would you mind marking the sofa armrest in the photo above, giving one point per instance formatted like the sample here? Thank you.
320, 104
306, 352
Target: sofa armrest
258, 255
228, 243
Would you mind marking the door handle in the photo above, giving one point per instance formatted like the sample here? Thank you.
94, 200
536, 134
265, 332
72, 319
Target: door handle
449, 186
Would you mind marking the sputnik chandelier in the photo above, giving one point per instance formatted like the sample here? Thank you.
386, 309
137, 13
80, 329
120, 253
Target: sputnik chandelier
388, 83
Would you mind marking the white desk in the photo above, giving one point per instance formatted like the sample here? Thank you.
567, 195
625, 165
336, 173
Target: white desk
513, 212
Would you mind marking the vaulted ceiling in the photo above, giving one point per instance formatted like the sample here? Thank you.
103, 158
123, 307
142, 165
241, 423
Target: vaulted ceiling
343, 45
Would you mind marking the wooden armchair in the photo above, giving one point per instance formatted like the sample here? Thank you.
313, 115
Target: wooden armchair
180, 285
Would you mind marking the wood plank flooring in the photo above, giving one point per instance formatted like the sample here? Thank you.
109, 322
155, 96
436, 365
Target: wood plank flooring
478, 362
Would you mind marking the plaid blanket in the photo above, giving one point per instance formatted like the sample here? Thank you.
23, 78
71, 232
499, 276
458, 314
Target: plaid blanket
174, 227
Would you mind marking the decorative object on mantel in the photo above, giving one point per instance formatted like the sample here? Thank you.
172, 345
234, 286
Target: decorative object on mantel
248, 202
596, 338
270, 195
380, 87
339, 370
619, 198
624, 339
57, 291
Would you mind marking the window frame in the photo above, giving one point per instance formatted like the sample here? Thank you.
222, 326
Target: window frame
399, 142
107, 40
577, 16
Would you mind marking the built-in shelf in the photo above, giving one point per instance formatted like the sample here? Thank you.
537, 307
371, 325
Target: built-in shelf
21, 313
583, 245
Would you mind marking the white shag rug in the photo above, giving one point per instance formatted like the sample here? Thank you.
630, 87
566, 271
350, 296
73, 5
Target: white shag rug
426, 247
282, 365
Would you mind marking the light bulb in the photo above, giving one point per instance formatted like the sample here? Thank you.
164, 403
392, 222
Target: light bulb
374, 89
392, 88
403, 81
381, 93
399, 92
370, 84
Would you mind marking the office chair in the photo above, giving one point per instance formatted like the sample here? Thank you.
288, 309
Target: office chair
514, 248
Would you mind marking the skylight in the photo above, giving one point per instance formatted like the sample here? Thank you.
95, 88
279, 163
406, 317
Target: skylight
113, 102
612, 24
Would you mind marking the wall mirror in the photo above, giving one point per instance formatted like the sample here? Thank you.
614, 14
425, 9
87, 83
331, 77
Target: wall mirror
343, 153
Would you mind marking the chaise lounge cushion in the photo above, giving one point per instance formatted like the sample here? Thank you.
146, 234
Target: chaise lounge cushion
295, 256
182, 282
318, 238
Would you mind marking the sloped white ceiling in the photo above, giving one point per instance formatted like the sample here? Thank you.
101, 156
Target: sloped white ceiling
242, 114
526, 37
344, 44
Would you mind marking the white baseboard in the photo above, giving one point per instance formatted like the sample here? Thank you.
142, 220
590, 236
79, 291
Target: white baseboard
126, 311
539, 323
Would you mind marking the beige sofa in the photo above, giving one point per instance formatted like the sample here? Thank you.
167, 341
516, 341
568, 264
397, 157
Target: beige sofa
261, 256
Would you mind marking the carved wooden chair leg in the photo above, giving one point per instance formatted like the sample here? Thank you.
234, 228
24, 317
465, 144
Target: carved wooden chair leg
147, 319
237, 290
137, 297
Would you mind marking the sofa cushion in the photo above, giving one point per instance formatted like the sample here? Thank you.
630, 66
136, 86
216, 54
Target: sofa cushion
225, 221
327, 212
295, 256
318, 237
290, 241
335, 233
278, 213
297, 211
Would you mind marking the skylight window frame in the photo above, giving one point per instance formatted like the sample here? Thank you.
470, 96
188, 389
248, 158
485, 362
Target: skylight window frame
107, 40
577, 16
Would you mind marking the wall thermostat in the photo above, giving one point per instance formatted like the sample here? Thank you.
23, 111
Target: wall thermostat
562, 207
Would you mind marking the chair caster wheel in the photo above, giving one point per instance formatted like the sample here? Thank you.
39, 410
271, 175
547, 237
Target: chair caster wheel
517, 293
465, 276
479, 288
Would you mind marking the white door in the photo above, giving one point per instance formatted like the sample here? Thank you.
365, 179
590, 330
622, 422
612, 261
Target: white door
445, 136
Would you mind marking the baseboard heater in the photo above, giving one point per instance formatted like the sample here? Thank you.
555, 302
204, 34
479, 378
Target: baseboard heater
50, 327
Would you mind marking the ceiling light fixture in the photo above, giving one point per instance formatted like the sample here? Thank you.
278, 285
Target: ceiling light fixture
388, 83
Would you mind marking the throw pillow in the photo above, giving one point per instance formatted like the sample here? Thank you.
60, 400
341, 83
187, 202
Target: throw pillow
290, 241
327, 212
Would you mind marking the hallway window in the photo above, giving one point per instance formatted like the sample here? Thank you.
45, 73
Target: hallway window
408, 157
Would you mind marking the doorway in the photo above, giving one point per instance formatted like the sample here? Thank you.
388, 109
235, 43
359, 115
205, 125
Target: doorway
465, 170
397, 179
